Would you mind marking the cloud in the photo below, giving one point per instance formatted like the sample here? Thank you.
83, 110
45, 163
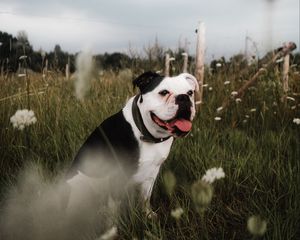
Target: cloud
111, 26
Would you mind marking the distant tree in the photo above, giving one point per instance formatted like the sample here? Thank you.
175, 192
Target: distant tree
296, 59
155, 55
115, 61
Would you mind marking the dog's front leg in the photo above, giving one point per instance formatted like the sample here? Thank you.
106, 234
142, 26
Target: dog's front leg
146, 192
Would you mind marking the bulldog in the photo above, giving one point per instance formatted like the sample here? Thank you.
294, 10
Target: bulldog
130, 146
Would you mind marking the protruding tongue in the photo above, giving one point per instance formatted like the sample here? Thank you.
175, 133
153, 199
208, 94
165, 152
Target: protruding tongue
182, 124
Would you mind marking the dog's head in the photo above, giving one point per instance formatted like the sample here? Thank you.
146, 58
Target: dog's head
167, 103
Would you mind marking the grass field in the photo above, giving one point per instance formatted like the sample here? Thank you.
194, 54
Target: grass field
256, 142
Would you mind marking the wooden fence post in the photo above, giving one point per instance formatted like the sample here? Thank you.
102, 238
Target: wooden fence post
185, 62
45, 69
199, 71
68, 69
167, 65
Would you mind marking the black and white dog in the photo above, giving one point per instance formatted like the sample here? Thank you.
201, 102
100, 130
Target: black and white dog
138, 138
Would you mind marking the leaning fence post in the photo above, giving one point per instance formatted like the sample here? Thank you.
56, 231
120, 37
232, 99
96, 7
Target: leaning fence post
199, 70
285, 72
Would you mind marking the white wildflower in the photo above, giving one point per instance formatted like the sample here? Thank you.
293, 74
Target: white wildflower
290, 98
22, 57
22, 75
234, 93
210, 88
205, 85
212, 174
226, 82
219, 109
253, 110
23, 118
247, 116
293, 107
218, 119
245, 121
219, 65
238, 100
296, 121
110, 234
176, 213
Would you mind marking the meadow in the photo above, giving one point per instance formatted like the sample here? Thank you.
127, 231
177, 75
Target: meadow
255, 141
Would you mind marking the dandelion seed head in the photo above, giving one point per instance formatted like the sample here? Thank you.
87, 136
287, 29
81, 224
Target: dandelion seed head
238, 100
234, 93
23, 118
213, 174
291, 98
256, 226
84, 71
177, 213
296, 121
169, 182
22, 57
202, 194
219, 109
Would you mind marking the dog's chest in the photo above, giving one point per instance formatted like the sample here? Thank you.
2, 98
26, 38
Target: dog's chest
151, 158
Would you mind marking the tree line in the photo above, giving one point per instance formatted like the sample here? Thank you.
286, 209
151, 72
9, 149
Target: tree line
14, 48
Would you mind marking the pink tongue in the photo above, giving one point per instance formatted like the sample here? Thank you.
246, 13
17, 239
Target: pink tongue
182, 124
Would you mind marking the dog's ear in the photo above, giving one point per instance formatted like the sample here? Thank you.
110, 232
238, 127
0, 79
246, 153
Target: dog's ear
191, 80
147, 81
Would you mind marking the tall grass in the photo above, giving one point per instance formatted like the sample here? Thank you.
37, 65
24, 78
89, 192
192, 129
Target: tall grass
258, 150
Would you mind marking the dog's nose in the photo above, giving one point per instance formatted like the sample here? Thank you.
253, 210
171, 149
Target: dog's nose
181, 98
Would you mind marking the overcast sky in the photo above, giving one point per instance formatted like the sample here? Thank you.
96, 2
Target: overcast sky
109, 25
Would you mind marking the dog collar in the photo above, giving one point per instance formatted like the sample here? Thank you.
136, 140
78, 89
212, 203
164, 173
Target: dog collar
137, 117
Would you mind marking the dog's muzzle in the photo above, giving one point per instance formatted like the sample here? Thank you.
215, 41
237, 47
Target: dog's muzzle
181, 124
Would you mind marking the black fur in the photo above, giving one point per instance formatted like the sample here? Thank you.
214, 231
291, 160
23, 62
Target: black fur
147, 81
184, 106
110, 146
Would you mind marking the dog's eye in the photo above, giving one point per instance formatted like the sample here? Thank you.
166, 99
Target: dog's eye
164, 92
190, 93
